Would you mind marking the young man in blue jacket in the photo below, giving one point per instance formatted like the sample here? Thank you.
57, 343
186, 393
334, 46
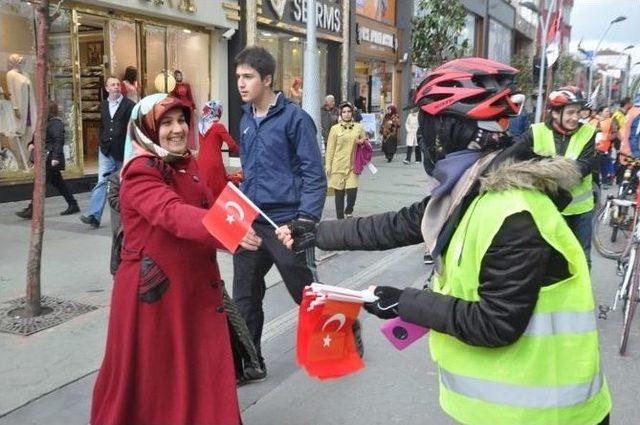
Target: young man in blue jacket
283, 176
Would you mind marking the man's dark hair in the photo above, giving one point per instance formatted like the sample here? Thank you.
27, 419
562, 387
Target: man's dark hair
259, 59
130, 74
625, 101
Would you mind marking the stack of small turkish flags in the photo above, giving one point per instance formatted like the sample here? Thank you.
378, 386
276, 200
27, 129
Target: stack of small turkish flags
325, 343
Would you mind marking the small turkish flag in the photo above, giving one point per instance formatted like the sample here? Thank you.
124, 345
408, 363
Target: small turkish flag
230, 217
325, 343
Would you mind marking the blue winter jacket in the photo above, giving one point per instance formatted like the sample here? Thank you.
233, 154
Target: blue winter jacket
282, 164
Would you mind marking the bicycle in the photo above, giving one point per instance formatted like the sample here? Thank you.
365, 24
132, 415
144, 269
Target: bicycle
617, 215
629, 288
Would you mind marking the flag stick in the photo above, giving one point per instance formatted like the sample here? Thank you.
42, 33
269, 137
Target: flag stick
248, 201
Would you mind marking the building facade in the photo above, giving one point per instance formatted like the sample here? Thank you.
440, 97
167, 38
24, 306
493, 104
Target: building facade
91, 40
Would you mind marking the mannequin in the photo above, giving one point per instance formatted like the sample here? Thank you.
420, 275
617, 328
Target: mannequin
182, 91
23, 101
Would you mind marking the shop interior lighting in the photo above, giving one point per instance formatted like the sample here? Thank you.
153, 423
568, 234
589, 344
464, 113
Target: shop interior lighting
186, 31
293, 39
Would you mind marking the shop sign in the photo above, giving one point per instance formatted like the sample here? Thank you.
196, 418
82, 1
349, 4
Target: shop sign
181, 5
378, 37
328, 13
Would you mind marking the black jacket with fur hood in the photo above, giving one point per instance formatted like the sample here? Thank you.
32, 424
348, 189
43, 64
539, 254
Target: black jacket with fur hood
517, 264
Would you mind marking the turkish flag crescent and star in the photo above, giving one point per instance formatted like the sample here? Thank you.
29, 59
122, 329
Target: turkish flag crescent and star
325, 345
230, 217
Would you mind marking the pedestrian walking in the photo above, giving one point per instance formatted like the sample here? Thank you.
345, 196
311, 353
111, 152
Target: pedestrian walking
344, 138
389, 131
212, 135
168, 355
625, 131
115, 113
411, 129
283, 176
54, 162
564, 135
329, 116
511, 309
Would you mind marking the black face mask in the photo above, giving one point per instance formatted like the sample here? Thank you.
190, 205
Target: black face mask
442, 135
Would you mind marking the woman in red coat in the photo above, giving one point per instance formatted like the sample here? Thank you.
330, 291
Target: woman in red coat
212, 134
168, 355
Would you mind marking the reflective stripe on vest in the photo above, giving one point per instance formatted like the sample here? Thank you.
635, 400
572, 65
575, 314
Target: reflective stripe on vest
561, 322
521, 396
543, 144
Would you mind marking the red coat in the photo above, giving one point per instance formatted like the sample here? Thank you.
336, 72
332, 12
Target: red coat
168, 357
210, 157
183, 92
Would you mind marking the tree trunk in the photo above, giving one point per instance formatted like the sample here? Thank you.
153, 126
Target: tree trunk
33, 307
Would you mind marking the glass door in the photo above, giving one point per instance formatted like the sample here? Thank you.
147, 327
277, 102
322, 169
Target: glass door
155, 76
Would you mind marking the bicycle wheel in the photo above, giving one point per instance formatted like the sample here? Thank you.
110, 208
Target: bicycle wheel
609, 239
631, 298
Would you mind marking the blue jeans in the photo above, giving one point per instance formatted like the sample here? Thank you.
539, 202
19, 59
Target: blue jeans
581, 225
106, 166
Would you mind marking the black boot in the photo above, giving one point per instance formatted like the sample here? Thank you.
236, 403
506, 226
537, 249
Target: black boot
71, 209
26, 213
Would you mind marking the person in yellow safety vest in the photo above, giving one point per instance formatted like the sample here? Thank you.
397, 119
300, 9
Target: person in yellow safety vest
511, 309
620, 113
563, 134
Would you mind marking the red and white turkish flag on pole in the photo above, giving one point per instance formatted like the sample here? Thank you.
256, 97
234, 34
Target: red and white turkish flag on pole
553, 39
325, 344
230, 217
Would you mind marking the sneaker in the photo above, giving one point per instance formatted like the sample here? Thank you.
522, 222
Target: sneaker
406, 162
251, 375
26, 213
428, 259
90, 220
348, 215
71, 209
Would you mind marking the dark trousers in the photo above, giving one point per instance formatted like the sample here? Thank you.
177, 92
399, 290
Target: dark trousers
352, 193
250, 268
418, 153
581, 226
54, 178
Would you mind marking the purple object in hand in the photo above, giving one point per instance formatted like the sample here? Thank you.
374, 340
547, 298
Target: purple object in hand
402, 334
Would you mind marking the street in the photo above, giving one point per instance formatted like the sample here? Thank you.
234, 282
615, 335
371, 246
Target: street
47, 378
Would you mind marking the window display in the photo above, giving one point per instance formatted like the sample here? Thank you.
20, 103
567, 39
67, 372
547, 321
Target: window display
17, 92
85, 47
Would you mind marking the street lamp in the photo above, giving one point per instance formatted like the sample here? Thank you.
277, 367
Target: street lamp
543, 48
595, 53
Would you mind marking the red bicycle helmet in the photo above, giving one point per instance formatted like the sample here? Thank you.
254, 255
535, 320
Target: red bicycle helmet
473, 88
567, 95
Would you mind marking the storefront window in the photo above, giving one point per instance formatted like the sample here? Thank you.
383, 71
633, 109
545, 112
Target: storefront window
499, 42
17, 42
378, 92
61, 82
100, 45
288, 50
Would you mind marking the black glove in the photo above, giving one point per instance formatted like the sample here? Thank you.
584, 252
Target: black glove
387, 305
303, 233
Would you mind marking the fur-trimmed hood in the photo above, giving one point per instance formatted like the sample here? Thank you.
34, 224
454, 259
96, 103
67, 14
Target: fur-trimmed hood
549, 175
